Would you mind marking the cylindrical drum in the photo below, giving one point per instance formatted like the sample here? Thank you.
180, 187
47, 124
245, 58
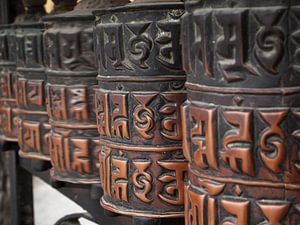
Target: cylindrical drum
241, 120
8, 105
33, 128
71, 77
141, 89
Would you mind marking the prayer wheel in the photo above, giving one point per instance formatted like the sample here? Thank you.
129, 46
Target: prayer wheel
8, 105
34, 128
71, 79
138, 99
241, 120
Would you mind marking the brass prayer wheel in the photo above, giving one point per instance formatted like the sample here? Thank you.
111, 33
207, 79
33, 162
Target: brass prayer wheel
241, 120
141, 89
71, 79
8, 105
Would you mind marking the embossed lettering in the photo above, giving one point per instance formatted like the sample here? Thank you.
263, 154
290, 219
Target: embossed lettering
21, 91
142, 180
105, 169
143, 115
203, 133
119, 179
87, 48
240, 210
168, 39
81, 162
52, 46
203, 35
79, 103
195, 206
171, 123
57, 155
112, 43
173, 192
238, 143
6, 85
231, 45
274, 213
31, 49
70, 154
139, 45
271, 140
195, 214
119, 116
58, 103
102, 112
269, 46
35, 92
70, 50
31, 135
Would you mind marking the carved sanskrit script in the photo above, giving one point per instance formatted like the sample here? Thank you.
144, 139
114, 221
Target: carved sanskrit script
71, 154
142, 180
140, 49
30, 92
115, 180
238, 53
71, 50
68, 102
112, 110
201, 208
29, 49
237, 140
6, 85
241, 118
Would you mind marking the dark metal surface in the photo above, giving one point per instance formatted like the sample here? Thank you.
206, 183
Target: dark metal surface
71, 78
239, 125
141, 88
33, 126
241, 120
8, 106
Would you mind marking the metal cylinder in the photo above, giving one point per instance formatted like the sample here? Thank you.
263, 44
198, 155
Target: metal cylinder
8, 105
241, 120
71, 73
141, 88
34, 128
71, 79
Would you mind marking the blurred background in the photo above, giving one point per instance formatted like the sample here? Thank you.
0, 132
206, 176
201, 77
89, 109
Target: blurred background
49, 6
